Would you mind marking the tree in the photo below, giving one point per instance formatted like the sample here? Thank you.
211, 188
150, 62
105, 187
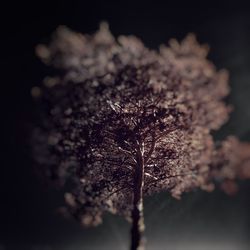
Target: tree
121, 121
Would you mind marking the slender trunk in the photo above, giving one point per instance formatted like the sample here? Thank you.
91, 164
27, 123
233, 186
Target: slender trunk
137, 230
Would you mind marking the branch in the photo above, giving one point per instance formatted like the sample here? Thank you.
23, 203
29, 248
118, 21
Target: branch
152, 148
164, 133
172, 176
116, 191
127, 152
151, 176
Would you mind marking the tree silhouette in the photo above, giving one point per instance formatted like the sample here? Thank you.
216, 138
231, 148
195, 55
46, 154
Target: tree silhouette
122, 121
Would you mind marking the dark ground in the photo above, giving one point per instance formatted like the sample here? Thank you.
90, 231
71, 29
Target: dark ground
27, 207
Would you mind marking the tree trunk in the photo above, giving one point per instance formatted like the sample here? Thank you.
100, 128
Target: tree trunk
137, 230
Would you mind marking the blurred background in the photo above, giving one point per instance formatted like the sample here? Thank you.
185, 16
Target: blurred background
200, 221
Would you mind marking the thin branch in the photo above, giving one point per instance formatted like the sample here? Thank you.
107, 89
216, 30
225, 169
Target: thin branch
151, 176
116, 191
127, 152
164, 133
152, 148
172, 176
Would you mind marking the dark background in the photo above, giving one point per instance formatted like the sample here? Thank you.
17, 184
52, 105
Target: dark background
27, 207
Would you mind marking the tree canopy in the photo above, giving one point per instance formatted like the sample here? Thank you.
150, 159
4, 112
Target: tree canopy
114, 103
